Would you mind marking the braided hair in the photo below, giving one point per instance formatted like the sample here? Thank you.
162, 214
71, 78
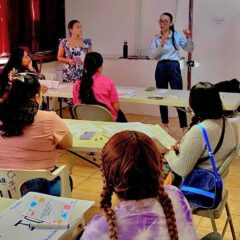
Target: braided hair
172, 29
132, 168
205, 102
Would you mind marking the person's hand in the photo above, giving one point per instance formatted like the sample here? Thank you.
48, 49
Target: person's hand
174, 147
71, 61
41, 76
30, 67
81, 62
187, 33
44, 88
12, 74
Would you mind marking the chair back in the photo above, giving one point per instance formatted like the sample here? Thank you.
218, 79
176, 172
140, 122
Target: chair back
11, 180
91, 112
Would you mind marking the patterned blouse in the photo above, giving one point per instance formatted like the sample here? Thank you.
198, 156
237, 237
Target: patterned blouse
145, 219
72, 72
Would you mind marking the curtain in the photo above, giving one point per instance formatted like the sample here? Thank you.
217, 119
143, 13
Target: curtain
4, 39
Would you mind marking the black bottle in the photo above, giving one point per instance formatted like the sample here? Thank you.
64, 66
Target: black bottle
125, 49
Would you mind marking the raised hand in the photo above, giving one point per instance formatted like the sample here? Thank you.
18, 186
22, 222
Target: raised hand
187, 33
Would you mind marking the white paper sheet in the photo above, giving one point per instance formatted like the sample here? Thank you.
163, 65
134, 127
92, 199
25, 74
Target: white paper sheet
124, 92
134, 126
81, 128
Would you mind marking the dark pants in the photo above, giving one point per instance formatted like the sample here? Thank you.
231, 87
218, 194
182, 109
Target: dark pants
169, 72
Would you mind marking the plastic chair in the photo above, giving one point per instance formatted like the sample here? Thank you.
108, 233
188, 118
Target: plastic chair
11, 180
91, 112
216, 214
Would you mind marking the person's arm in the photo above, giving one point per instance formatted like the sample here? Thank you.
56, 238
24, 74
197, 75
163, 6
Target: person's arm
61, 56
186, 42
116, 106
156, 49
62, 136
191, 148
66, 142
114, 96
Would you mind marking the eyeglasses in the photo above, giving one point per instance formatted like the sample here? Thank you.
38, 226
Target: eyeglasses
165, 22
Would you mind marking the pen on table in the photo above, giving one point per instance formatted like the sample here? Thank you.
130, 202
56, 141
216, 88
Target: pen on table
49, 226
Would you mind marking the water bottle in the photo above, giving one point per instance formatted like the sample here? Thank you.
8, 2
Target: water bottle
125, 49
60, 76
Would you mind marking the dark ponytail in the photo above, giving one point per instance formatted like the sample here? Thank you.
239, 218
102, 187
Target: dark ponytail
172, 29
93, 61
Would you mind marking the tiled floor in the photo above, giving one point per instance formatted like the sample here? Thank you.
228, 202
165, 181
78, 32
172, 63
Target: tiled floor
88, 183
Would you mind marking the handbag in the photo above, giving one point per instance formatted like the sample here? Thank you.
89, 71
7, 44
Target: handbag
203, 188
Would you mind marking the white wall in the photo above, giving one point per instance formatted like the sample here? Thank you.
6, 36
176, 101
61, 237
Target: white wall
216, 36
216, 31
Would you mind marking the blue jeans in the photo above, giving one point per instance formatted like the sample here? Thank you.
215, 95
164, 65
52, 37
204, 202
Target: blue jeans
168, 71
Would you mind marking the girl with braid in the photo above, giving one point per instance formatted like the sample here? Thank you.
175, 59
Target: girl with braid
94, 88
132, 169
165, 48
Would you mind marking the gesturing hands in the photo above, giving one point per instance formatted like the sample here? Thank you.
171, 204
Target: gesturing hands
71, 61
187, 33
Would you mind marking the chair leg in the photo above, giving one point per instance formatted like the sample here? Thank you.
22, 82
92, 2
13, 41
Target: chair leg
230, 221
214, 226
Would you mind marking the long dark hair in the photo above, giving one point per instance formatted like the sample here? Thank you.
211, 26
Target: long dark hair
132, 167
19, 108
171, 28
92, 62
15, 61
205, 102
70, 25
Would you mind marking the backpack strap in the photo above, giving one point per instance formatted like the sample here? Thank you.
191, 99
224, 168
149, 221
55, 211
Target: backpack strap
201, 160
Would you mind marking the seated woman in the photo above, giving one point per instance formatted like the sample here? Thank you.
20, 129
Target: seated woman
132, 169
29, 136
94, 88
20, 61
207, 106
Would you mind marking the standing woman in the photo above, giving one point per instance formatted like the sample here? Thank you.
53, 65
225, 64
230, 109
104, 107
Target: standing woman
165, 47
72, 52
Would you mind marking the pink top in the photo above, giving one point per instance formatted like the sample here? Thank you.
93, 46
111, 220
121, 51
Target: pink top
36, 148
104, 91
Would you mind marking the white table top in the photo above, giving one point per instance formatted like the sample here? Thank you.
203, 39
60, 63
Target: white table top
178, 98
96, 143
5, 203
